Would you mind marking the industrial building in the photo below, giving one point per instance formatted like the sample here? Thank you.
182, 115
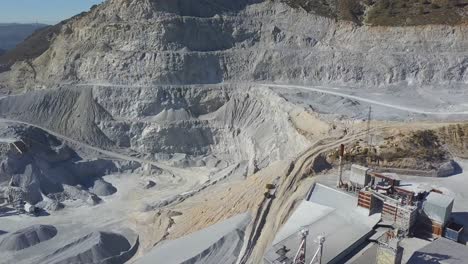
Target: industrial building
371, 207
441, 250
327, 213
389, 250
427, 212
359, 176
435, 215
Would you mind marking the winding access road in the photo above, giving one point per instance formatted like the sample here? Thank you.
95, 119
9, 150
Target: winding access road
325, 90
335, 91
266, 218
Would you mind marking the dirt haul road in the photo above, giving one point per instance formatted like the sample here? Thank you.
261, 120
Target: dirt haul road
291, 188
335, 91
326, 90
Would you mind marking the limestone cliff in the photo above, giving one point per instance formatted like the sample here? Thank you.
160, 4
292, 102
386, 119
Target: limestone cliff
198, 42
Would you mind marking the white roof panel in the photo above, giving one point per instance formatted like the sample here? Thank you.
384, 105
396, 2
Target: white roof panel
306, 214
439, 199
328, 212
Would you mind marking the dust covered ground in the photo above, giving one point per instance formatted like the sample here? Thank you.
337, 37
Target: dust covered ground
209, 186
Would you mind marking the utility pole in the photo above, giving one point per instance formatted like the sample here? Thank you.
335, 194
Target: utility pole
369, 136
369, 118
340, 176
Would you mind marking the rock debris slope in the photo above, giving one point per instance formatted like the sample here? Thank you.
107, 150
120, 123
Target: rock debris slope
220, 243
97, 247
68, 111
28, 237
49, 172
230, 123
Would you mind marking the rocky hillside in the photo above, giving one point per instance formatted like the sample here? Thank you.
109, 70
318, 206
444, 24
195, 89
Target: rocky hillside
425, 151
49, 170
389, 12
32, 47
187, 42
12, 34
456, 138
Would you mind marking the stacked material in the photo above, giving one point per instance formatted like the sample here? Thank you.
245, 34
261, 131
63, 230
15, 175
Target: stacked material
27, 237
220, 243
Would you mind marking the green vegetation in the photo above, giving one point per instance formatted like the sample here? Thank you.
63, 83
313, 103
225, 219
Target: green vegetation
389, 12
422, 145
414, 12
456, 139
423, 149
351, 10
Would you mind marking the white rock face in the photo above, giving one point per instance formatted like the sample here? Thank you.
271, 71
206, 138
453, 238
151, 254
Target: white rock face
171, 77
246, 123
186, 42
225, 123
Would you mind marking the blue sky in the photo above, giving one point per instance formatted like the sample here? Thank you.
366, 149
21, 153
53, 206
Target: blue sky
42, 11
